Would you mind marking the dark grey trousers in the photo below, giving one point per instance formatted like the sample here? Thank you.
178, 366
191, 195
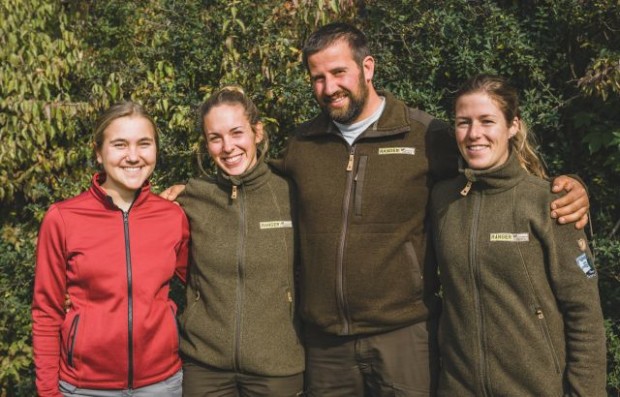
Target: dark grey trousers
402, 362
204, 381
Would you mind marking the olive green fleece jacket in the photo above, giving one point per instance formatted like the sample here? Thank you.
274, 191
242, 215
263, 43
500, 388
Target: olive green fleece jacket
240, 313
521, 313
362, 210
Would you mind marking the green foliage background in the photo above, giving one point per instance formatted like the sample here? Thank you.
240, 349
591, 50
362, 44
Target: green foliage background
62, 62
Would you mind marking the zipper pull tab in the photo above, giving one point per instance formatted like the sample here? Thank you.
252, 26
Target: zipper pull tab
233, 195
350, 163
539, 314
289, 295
467, 188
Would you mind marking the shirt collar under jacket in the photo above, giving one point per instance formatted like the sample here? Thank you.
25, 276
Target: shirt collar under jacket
495, 180
350, 132
100, 194
393, 120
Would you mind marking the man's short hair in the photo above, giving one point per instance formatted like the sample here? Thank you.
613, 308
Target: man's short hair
331, 33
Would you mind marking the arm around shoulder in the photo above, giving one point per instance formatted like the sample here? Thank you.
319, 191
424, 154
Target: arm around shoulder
574, 205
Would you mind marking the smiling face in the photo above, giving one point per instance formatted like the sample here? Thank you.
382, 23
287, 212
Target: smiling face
128, 155
482, 132
340, 85
231, 140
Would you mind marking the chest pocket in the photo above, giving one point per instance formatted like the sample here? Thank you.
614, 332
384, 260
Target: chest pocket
389, 186
358, 183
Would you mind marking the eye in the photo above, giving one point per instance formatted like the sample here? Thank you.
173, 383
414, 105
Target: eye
463, 123
213, 138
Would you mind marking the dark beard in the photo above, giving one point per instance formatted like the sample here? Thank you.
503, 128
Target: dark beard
355, 108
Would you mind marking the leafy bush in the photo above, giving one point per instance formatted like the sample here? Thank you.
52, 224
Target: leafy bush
63, 62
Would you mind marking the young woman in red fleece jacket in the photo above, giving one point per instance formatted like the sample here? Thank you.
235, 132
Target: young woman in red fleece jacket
113, 249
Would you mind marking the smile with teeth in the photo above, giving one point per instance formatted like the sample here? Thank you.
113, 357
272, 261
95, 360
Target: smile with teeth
132, 169
232, 159
336, 98
476, 148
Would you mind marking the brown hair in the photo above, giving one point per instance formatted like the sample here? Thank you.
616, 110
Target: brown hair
507, 99
116, 111
331, 33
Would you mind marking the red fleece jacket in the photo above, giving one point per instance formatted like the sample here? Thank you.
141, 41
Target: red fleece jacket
121, 331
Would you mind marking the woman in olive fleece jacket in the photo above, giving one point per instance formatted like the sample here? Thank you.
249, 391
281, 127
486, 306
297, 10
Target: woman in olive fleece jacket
240, 293
521, 314
239, 330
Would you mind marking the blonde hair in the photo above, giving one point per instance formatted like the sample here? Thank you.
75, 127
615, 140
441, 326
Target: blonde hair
507, 99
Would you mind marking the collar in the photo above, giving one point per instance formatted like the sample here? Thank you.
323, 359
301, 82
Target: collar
100, 194
250, 179
495, 180
394, 120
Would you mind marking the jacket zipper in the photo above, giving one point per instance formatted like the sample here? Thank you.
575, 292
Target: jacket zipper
473, 240
342, 302
129, 300
240, 279
72, 338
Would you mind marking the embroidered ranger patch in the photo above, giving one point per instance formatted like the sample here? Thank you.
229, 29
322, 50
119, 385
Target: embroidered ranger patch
276, 225
510, 237
584, 263
397, 150
582, 244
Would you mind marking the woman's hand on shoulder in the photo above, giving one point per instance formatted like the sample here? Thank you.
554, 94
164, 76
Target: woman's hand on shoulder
172, 192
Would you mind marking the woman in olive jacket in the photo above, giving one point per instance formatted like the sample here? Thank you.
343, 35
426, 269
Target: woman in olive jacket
522, 314
239, 330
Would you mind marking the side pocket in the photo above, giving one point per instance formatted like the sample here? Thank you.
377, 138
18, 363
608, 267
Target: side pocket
291, 303
176, 327
72, 336
547, 337
187, 313
360, 175
416, 272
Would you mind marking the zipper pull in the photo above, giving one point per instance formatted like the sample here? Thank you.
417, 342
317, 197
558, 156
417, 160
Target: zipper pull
350, 163
467, 188
539, 314
289, 295
233, 195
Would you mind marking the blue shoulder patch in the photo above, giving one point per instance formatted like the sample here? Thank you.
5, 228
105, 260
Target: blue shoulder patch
584, 263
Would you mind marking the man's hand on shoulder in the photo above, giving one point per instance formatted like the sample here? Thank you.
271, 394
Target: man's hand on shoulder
573, 206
